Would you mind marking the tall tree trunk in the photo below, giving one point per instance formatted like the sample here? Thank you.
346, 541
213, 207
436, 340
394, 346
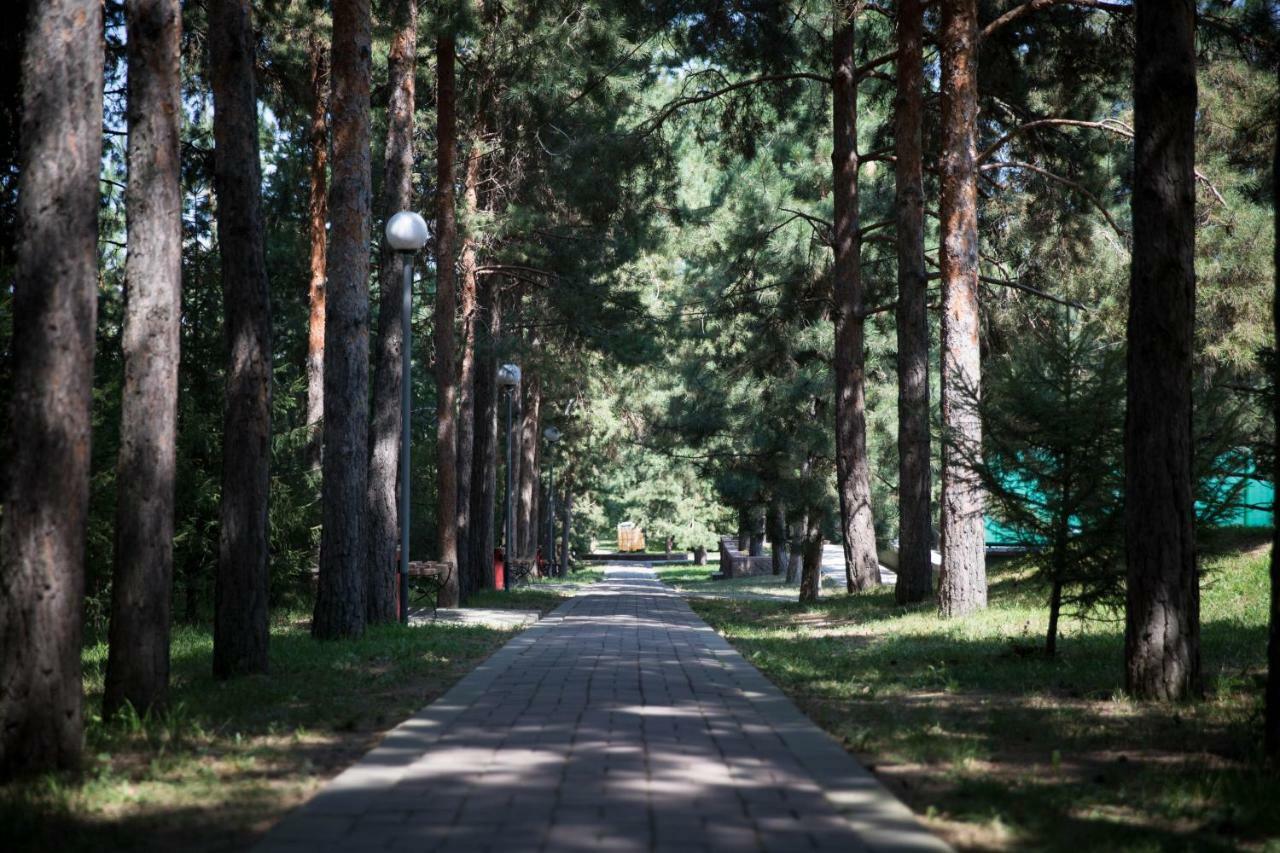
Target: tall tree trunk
566, 527
853, 471
915, 568
138, 654
318, 237
1162, 613
240, 590
778, 537
382, 515
744, 529
484, 462
811, 572
1272, 721
527, 495
962, 583
755, 548
467, 369
340, 599
44, 524
446, 308
795, 562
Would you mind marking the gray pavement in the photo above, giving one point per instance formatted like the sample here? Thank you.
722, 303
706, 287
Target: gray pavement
619, 722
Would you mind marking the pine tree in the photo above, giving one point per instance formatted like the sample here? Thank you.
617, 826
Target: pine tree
915, 528
862, 568
138, 658
1162, 614
445, 314
962, 583
240, 629
340, 599
42, 534
382, 520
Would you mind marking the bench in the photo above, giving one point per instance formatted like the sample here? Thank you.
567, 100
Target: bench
521, 570
429, 577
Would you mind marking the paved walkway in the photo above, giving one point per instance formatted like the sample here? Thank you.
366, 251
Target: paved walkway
619, 722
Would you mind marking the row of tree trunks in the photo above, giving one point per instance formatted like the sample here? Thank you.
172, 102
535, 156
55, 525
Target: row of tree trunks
1162, 624
138, 652
240, 626
318, 239
446, 308
340, 598
42, 534
915, 570
467, 300
962, 586
382, 518
853, 471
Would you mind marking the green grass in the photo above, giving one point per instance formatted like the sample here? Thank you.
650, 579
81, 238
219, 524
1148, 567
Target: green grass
228, 758
541, 594
998, 746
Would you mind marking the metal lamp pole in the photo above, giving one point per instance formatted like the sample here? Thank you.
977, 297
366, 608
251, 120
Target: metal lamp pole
406, 234
509, 381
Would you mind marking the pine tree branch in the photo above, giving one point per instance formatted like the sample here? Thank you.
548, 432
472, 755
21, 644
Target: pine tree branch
654, 123
1027, 8
1078, 187
1111, 125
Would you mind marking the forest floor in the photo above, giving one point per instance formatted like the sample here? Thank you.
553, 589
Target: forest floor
229, 758
998, 747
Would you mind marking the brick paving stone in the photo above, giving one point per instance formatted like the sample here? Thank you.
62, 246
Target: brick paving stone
619, 722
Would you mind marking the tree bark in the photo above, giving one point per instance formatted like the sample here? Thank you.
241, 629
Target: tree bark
962, 583
43, 529
484, 462
915, 568
778, 537
138, 653
530, 431
240, 629
566, 527
467, 370
744, 529
853, 471
382, 515
340, 599
1272, 719
318, 237
755, 548
811, 573
1162, 613
796, 561
446, 308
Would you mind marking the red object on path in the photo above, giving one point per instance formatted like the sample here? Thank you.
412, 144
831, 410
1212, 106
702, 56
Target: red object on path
499, 569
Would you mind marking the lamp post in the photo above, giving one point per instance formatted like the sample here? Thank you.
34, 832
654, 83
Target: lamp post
552, 435
509, 382
406, 234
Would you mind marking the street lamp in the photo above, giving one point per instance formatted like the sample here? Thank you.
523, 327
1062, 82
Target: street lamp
509, 382
406, 234
552, 435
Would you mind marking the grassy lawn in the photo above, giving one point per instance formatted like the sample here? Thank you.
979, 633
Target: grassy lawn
229, 758
697, 581
541, 594
1001, 748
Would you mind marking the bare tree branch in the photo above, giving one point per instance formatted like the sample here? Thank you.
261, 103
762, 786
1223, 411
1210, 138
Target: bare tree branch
1016, 164
652, 124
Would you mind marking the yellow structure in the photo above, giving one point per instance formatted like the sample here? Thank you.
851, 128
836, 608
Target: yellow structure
630, 537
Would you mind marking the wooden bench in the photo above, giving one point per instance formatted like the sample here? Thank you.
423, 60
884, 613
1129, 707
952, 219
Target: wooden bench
429, 577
